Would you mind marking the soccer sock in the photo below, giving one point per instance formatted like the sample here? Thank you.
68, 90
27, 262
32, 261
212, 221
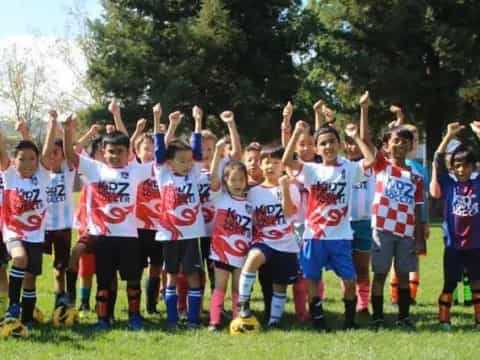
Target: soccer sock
29, 299
58, 297
216, 306
321, 290
245, 285
102, 304
153, 287
476, 305
134, 295
265, 279
194, 304
394, 288
403, 303
85, 296
300, 298
72, 285
377, 306
316, 309
15, 281
234, 304
414, 283
350, 310
277, 307
112, 300
171, 299
363, 293
182, 289
444, 305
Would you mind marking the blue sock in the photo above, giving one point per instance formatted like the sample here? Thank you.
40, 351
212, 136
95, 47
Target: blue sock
194, 304
171, 300
85, 295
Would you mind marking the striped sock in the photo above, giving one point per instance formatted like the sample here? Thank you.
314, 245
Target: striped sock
245, 286
29, 299
171, 299
278, 305
15, 284
194, 303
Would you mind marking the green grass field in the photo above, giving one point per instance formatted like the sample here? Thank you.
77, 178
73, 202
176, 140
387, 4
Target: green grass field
295, 342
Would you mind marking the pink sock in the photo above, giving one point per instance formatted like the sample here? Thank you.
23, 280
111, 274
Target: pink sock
234, 304
321, 290
300, 298
216, 306
363, 293
182, 289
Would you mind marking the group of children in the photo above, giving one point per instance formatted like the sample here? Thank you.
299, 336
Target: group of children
185, 209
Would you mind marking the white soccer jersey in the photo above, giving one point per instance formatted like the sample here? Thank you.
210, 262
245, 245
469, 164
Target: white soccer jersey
363, 193
60, 199
329, 195
270, 225
232, 230
25, 205
148, 204
112, 195
181, 214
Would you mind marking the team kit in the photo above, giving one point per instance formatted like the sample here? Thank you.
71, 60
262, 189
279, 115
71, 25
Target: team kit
195, 215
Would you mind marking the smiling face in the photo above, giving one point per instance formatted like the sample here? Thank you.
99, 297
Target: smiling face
57, 157
182, 162
305, 147
398, 146
145, 150
351, 149
272, 168
252, 161
116, 156
26, 162
328, 147
236, 181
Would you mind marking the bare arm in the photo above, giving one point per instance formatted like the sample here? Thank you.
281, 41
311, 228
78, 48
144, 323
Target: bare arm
136, 134
286, 126
49, 139
229, 119
22, 128
288, 206
216, 182
3, 152
368, 157
364, 132
288, 159
114, 108
90, 134
68, 135
319, 116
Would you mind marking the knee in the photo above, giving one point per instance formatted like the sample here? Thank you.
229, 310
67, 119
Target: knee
20, 261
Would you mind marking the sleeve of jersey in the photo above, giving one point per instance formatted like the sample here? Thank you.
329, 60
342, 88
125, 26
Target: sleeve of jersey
296, 197
419, 194
380, 163
357, 170
160, 150
305, 175
197, 146
89, 168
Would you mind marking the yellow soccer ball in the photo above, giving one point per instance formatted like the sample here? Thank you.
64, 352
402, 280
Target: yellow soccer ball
13, 328
248, 325
38, 316
64, 316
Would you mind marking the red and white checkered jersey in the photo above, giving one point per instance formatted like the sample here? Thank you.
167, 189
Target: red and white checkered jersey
397, 192
329, 194
25, 205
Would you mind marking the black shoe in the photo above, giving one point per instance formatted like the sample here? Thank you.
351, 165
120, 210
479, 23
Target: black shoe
377, 324
245, 311
214, 328
320, 325
152, 310
405, 324
413, 301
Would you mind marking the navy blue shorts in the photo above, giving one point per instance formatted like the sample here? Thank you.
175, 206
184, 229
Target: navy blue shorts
327, 254
455, 261
283, 265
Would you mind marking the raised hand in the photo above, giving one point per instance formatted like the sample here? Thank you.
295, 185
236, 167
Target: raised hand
110, 128
114, 107
175, 118
328, 113
197, 112
284, 180
351, 131
301, 126
453, 129
227, 116
157, 110
318, 106
53, 114
141, 124
96, 128
395, 109
21, 125
364, 100
287, 112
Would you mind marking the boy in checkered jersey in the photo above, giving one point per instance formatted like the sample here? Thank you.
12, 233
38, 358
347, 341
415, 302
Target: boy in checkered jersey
396, 222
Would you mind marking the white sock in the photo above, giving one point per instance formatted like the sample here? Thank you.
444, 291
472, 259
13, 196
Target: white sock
245, 285
278, 305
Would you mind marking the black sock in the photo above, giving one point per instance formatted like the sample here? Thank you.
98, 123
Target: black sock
350, 310
112, 300
72, 285
29, 300
403, 303
316, 309
377, 307
15, 281
58, 296
153, 286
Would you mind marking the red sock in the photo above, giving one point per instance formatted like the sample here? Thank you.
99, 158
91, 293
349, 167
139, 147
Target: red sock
216, 306
300, 298
182, 289
363, 293
414, 284
134, 295
321, 290
394, 288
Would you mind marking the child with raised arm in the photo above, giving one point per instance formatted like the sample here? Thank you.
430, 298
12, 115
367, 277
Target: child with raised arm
177, 171
26, 178
232, 230
328, 235
459, 190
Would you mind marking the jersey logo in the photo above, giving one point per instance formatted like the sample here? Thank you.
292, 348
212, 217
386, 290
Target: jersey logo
465, 205
399, 191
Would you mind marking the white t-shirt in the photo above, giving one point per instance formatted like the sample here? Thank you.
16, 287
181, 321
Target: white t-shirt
60, 199
25, 205
148, 205
181, 215
270, 225
329, 195
363, 193
232, 230
112, 196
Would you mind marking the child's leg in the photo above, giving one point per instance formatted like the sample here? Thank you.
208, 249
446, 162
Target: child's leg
266, 284
61, 244
182, 289
452, 273
405, 263
476, 300
171, 255
192, 266
279, 299
86, 271
218, 296
3, 290
235, 285
153, 288
72, 271
393, 286
300, 298
29, 298
105, 271
414, 282
17, 273
362, 260
255, 259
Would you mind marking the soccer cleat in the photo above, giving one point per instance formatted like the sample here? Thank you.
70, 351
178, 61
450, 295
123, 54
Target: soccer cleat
13, 327
135, 322
241, 325
13, 312
405, 324
214, 328
38, 316
192, 326
320, 324
445, 326
64, 316
350, 325
101, 325
377, 324
245, 311
84, 311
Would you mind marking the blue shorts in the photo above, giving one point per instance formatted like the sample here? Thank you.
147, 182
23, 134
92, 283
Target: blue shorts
362, 235
331, 254
283, 265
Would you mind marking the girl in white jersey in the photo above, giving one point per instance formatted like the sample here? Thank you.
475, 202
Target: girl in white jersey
232, 230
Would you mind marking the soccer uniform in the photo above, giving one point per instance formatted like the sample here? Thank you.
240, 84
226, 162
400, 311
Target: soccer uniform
273, 232
398, 191
86, 263
232, 232
328, 233
59, 216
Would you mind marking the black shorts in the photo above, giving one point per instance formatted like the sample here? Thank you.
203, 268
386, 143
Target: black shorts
61, 242
283, 266
223, 266
205, 247
151, 250
34, 255
4, 257
112, 254
455, 261
186, 253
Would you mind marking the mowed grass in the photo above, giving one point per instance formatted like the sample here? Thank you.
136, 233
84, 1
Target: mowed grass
296, 341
